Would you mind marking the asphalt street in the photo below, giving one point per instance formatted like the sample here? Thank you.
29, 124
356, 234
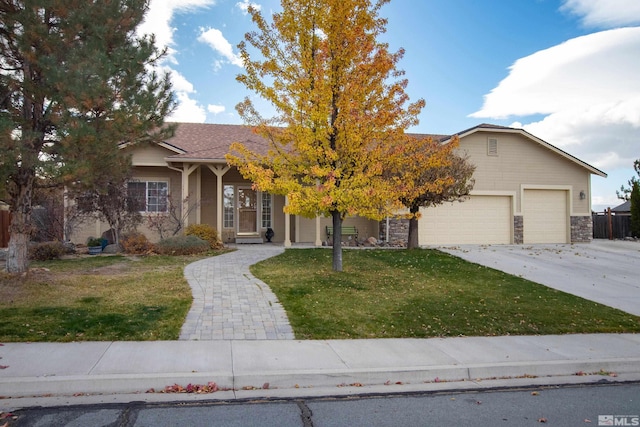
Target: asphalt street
555, 406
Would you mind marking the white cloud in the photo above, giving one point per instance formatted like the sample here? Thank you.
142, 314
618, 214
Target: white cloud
158, 22
188, 110
159, 16
180, 83
214, 38
588, 90
604, 13
216, 109
244, 6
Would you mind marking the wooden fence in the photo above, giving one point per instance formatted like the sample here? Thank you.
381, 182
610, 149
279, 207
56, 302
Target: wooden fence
608, 226
5, 219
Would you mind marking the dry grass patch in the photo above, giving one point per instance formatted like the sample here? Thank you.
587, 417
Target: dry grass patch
99, 298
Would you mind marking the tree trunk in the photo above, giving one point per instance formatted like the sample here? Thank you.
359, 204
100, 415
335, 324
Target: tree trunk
337, 240
20, 227
412, 242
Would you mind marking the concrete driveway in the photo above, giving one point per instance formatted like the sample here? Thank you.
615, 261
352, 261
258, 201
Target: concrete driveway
604, 271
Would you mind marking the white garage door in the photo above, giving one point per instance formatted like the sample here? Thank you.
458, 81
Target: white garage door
477, 220
545, 216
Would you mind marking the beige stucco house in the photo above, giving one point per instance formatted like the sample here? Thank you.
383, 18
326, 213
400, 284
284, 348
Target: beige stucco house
526, 191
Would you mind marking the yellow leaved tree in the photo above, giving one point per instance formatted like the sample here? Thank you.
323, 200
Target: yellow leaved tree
428, 172
340, 102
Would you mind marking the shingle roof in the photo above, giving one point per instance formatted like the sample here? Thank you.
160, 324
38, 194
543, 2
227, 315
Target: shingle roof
205, 141
625, 207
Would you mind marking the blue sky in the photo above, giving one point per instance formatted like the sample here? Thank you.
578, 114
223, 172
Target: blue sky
567, 71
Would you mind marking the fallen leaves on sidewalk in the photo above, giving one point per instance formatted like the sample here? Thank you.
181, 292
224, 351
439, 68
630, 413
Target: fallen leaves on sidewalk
210, 387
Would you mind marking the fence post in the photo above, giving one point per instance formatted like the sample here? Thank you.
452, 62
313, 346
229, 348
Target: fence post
609, 224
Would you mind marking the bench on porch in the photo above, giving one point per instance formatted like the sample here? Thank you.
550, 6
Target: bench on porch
347, 230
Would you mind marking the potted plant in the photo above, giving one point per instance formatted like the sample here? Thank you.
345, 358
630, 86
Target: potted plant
94, 245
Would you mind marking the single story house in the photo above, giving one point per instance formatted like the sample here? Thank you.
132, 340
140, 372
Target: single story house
622, 209
526, 191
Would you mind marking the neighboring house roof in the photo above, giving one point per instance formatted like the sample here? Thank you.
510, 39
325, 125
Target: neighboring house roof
623, 208
204, 142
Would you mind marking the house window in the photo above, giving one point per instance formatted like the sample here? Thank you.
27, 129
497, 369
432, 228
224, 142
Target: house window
266, 210
148, 196
492, 147
229, 196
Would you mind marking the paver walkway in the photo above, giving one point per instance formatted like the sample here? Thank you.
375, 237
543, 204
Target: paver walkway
229, 303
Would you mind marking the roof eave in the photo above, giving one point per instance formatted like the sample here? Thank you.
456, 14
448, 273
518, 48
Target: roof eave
162, 144
193, 160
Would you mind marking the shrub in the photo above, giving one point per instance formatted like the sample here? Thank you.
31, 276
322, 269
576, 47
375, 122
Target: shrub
136, 244
94, 241
47, 251
182, 245
205, 232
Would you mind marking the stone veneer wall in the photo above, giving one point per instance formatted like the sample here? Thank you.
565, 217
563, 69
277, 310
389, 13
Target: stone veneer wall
518, 229
581, 229
398, 231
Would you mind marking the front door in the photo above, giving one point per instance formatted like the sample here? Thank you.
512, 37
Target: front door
247, 210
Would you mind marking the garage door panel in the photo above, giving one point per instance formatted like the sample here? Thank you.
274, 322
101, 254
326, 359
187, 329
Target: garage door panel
545, 216
477, 220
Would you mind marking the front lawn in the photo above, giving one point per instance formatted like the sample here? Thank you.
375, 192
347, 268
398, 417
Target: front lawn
422, 293
99, 298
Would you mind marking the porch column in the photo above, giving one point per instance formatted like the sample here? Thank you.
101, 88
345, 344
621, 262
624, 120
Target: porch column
318, 231
219, 171
198, 200
187, 169
287, 225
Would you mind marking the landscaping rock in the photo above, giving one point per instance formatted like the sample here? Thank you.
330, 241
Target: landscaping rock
112, 249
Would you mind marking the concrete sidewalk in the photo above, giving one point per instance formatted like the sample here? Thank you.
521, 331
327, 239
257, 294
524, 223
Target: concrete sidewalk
51, 374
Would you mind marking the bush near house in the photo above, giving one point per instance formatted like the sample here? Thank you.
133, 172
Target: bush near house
136, 244
182, 245
205, 232
46, 251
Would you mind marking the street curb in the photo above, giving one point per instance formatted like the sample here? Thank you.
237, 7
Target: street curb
16, 387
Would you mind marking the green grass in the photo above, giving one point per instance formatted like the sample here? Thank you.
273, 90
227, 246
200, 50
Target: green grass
100, 298
422, 293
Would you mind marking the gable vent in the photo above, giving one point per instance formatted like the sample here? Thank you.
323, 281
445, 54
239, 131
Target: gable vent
492, 147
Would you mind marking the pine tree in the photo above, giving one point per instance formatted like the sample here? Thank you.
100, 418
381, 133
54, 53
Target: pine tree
339, 102
635, 209
75, 82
